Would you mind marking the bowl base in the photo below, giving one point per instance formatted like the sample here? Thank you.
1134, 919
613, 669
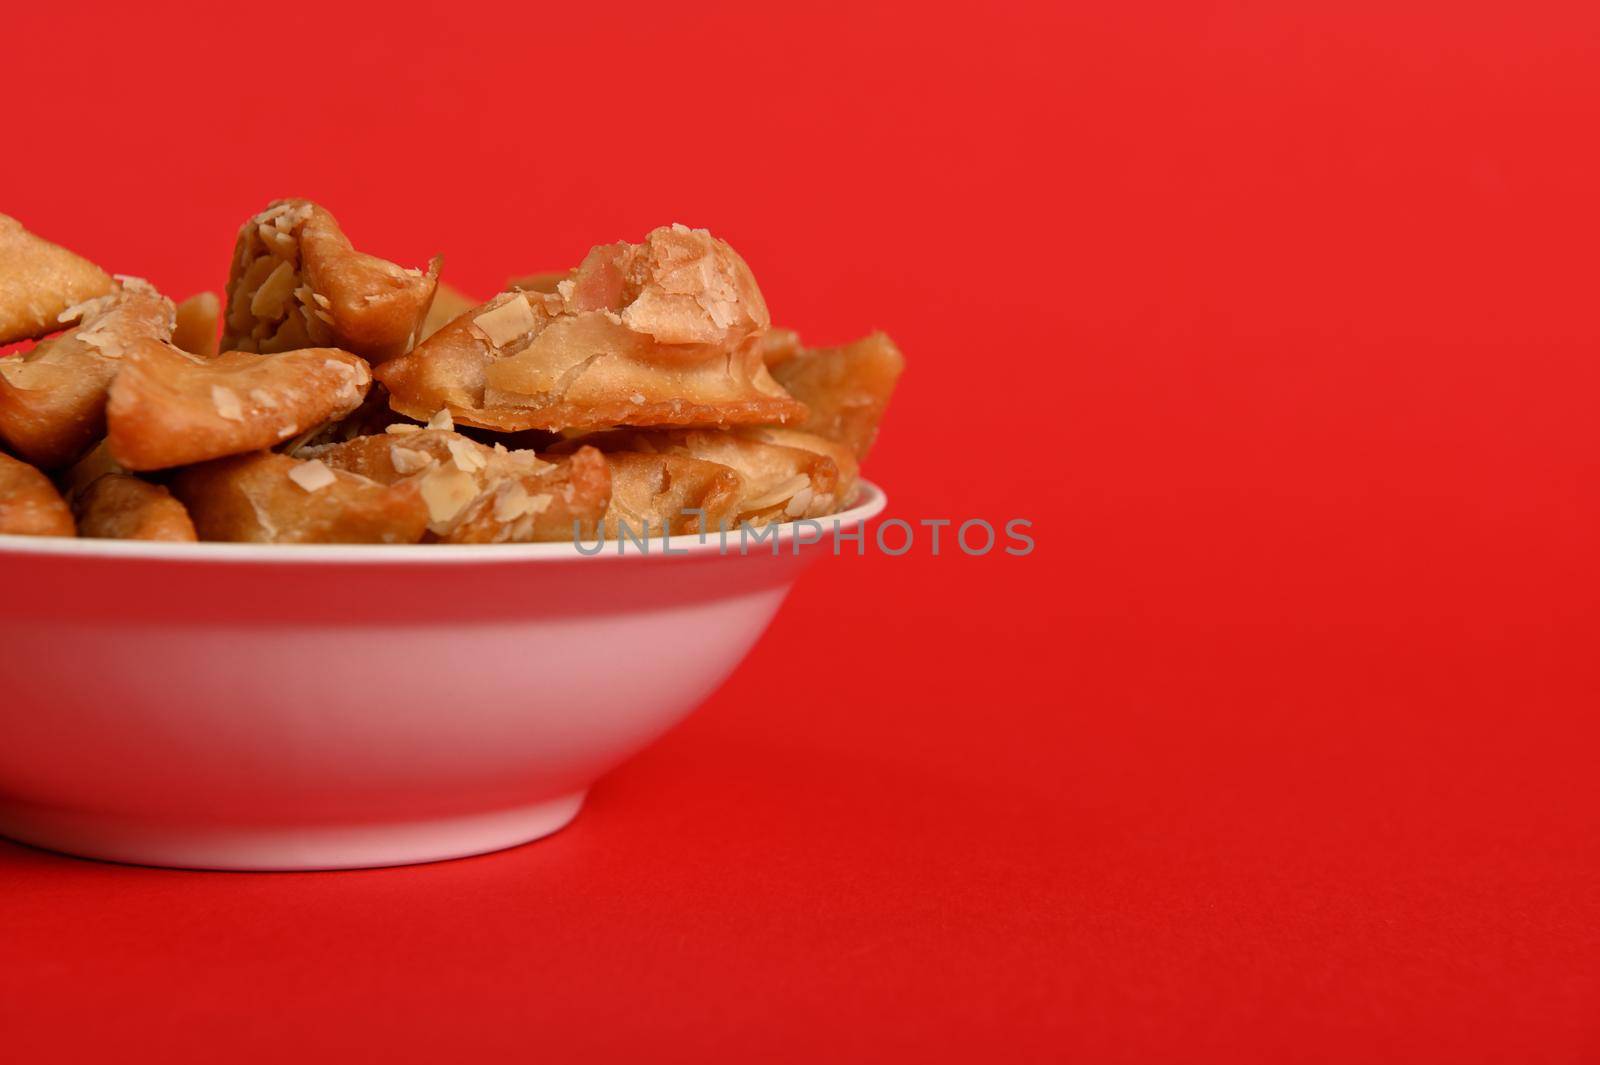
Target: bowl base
251, 848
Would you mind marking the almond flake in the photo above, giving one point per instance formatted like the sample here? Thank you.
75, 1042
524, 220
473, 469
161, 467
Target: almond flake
446, 492
507, 322
442, 420
512, 502
312, 475
273, 212
268, 302
227, 403
408, 460
466, 456
402, 427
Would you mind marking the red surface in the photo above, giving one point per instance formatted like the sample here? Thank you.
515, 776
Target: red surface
1278, 320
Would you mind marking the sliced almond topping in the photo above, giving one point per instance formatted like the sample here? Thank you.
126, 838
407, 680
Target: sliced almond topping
269, 300
273, 212
442, 420
466, 456
312, 475
281, 244
226, 400
402, 427
446, 492
507, 322
511, 503
408, 460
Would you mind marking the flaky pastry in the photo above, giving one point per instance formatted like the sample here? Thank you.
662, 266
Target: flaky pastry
776, 481
53, 397
660, 333
449, 303
170, 409
268, 498
296, 282
845, 389
39, 281
479, 494
657, 492
29, 503
119, 506
196, 329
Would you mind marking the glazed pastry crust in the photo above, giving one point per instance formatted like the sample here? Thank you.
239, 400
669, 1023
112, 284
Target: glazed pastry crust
267, 498
196, 329
660, 333
776, 481
297, 282
843, 458
171, 409
652, 493
119, 506
53, 397
845, 389
29, 503
449, 303
40, 282
480, 494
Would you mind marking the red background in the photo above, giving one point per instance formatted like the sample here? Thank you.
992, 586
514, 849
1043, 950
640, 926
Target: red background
1277, 320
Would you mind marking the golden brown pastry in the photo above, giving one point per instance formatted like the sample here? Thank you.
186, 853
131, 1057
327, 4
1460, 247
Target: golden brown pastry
845, 389
296, 282
196, 331
481, 494
449, 303
80, 475
777, 481
372, 416
268, 498
170, 409
29, 503
39, 282
53, 397
844, 493
665, 332
779, 345
120, 506
656, 492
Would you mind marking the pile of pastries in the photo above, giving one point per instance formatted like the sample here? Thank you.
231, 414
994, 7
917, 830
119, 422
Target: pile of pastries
332, 396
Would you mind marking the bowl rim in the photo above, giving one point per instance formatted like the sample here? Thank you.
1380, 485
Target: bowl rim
870, 502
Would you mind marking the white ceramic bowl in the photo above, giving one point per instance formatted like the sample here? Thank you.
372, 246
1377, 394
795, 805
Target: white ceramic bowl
238, 706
